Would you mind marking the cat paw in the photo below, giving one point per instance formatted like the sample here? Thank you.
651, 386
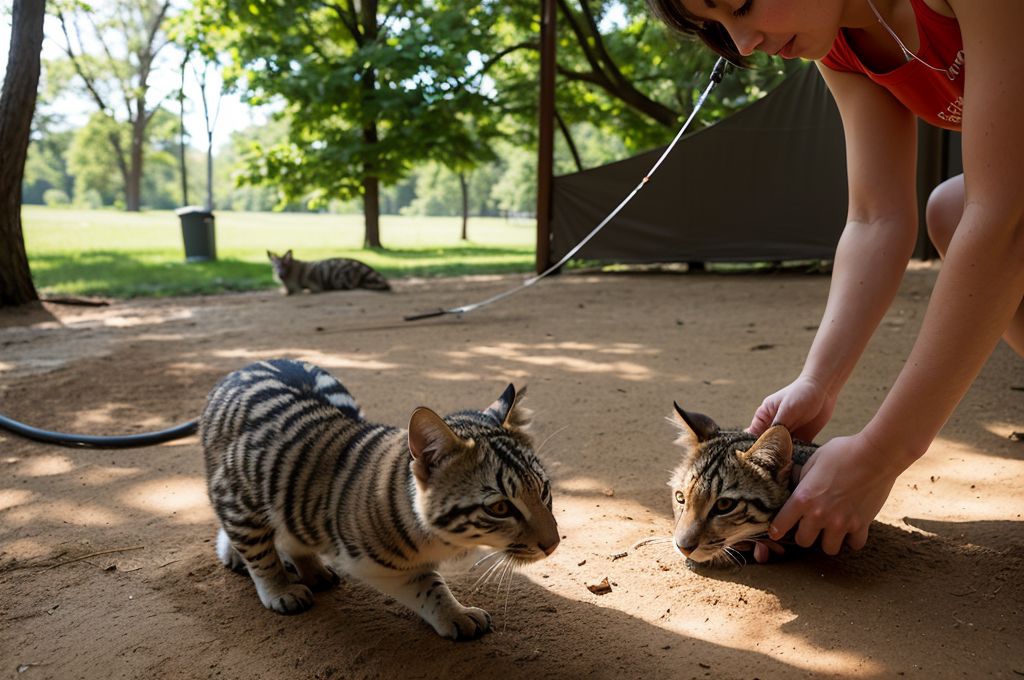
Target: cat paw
467, 624
312, 573
325, 579
294, 599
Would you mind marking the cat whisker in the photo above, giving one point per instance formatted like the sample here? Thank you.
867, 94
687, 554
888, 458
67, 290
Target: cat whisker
509, 564
541, 447
512, 567
484, 559
665, 545
491, 570
496, 559
734, 556
651, 541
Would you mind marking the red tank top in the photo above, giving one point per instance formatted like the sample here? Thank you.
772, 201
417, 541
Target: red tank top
936, 97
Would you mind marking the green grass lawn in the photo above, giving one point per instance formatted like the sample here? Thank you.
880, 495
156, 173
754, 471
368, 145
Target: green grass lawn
117, 254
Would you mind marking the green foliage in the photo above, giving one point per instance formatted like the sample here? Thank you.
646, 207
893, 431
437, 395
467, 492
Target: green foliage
46, 165
516, 191
413, 94
55, 198
438, 191
94, 165
371, 90
230, 192
93, 161
620, 71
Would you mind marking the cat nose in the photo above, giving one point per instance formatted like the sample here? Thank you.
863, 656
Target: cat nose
548, 549
687, 549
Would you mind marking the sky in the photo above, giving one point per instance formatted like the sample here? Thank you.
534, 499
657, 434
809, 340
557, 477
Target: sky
233, 116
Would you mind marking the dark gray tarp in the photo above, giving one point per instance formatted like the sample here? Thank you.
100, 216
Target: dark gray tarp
766, 184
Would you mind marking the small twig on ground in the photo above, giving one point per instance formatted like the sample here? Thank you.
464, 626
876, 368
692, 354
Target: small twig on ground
34, 565
969, 592
101, 552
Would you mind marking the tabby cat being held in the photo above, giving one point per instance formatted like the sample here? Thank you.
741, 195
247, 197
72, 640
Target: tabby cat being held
317, 276
298, 476
729, 485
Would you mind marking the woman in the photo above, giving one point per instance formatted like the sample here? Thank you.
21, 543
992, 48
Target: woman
955, 63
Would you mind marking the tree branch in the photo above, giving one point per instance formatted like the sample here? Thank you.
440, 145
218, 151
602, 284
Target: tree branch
569, 141
529, 44
78, 67
601, 63
582, 40
602, 52
348, 17
125, 87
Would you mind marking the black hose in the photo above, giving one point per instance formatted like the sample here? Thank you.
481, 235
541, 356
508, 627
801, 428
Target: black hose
85, 441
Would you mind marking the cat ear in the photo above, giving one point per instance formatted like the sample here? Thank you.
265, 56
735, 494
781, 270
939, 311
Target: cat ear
694, 428
287, 257
773, 451
429, 439
508, 410
271, 256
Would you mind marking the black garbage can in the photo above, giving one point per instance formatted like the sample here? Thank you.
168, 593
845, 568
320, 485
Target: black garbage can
198, 232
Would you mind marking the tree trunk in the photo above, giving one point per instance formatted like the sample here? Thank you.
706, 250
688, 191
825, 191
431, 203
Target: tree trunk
371, 183
464, 185
371, 194
209, 171
17, 105
371, 212
133, 181
184, 145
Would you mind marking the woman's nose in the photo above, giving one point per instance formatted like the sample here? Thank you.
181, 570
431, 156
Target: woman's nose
746, 40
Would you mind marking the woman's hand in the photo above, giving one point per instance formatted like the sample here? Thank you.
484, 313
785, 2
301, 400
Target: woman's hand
842, 488
803, 406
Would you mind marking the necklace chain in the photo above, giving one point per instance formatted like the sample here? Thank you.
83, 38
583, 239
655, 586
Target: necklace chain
907, 54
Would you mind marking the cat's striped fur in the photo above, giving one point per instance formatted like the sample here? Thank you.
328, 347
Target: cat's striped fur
729, 485
296, 474
317, 276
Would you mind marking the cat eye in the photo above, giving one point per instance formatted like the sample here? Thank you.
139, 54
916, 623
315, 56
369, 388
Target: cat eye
680, 498
499, 509
725, 504
545, 496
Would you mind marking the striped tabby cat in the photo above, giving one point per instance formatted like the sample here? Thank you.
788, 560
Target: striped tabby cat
729, 486
317, 276
297, 475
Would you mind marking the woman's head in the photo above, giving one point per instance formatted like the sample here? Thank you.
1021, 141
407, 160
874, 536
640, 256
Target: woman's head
734, 29
674, 15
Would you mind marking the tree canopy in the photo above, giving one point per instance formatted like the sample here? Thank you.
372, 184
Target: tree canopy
372, 89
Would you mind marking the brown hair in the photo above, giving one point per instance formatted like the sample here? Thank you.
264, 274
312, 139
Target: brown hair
711, 33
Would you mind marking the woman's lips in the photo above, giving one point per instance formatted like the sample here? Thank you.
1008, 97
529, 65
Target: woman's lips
786, 51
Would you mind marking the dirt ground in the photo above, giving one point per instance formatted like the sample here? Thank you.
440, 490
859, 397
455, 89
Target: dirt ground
107, 564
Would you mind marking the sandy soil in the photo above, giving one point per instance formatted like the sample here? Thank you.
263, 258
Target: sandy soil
107, 565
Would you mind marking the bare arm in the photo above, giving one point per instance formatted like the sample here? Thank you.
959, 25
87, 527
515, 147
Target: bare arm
982, 279
881, 229
977, 293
